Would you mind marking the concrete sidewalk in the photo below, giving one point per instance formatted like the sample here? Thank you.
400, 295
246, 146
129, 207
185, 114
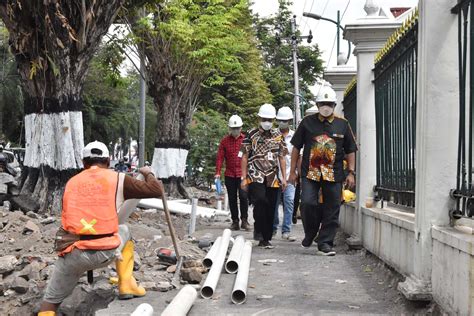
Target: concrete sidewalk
350, 283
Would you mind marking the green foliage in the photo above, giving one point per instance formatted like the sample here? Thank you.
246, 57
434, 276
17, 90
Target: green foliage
206, 131
244, 90
11, 96
111, 104
278, 72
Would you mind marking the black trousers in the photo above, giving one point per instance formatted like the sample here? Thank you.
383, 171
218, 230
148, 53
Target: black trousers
233, 186
264, 201
315, 214
296, 203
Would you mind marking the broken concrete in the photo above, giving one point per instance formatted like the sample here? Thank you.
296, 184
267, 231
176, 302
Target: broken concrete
7, 263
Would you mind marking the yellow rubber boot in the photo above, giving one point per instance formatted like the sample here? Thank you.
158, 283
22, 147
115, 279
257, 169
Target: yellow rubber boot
127, 284
47, 313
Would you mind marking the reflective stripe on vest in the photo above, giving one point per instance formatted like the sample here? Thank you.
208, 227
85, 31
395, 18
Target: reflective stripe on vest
89, 208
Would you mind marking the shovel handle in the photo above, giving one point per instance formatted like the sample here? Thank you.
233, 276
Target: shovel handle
170, 225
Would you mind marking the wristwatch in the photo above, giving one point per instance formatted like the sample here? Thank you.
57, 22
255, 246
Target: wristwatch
351, 172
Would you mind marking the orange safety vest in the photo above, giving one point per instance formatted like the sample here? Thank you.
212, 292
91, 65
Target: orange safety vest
89, 208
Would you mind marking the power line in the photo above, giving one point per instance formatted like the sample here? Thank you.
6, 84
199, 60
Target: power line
322, 14
306, 23
301, 17
335, 37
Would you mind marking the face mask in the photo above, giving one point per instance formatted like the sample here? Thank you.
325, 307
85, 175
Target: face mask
283, 125
266, 125
326, 110
235, 132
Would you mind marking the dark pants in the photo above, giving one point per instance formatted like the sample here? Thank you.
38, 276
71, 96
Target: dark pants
233, 186
296, 204
263, 200
315, 214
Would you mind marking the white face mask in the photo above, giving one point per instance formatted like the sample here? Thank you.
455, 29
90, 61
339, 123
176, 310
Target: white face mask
326, 110
266, 125
283, 124
234, 131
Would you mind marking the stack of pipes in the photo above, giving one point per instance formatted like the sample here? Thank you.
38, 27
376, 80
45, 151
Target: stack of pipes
237, 263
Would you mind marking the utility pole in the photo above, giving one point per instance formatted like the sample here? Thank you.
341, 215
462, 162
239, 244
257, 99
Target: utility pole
141, 133
141, 126
294, 44
338, 36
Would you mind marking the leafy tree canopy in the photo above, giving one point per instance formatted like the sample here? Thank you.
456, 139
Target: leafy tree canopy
273, 33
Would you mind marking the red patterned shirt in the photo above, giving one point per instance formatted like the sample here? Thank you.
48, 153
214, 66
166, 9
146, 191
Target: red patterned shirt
229, 150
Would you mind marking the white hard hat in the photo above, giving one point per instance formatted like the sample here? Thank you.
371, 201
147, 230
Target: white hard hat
235, 121
267, 111
95, 149
312, 110
284, 114
326, 94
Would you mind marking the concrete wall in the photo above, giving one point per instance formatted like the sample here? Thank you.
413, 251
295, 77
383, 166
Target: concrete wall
390, 235
453, 269
348, 218
387, 233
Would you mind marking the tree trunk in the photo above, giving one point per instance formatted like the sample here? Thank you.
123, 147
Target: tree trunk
53, 43
171, 150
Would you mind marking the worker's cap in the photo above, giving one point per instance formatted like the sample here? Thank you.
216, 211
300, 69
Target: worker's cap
95, 150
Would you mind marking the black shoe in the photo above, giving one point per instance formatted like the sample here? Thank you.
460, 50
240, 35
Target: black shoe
325, 250
245, 225
235, 226
306, 243
266, 244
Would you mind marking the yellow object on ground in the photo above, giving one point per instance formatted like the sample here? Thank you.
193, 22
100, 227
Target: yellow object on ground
349, 196
47, 313
127, 284
113, 280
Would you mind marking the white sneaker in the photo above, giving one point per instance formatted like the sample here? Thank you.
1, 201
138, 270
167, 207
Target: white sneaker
288, 237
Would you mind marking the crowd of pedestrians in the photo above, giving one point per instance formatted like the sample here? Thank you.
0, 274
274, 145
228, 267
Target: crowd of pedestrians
267, 166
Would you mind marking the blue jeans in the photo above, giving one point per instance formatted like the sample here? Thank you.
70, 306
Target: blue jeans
288, 201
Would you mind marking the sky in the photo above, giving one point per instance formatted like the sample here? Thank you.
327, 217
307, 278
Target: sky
324, 32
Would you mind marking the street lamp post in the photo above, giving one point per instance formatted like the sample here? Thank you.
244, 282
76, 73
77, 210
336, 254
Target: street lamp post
294, 44
339, 27
302, 109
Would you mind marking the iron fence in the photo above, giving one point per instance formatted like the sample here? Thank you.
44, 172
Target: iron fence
464, 192
395, 110
350, 104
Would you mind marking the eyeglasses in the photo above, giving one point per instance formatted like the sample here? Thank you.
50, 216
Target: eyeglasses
263, 119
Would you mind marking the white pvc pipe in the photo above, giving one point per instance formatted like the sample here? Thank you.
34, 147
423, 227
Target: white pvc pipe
219, 205
180, 208
192, 224
232, 264
210, 284
210, 257
226, 202
181, 303
239, 293
144, 309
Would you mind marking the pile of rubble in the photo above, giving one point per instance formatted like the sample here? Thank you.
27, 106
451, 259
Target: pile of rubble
27, 258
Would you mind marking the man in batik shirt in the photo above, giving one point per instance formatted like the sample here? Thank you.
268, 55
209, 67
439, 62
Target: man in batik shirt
262, 149
327, 140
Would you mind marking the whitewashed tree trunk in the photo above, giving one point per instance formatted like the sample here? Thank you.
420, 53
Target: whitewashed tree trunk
53, 43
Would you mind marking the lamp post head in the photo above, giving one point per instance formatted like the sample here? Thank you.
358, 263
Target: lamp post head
341, 59
312, 15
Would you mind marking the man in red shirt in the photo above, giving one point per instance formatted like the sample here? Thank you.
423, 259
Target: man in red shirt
229, 149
